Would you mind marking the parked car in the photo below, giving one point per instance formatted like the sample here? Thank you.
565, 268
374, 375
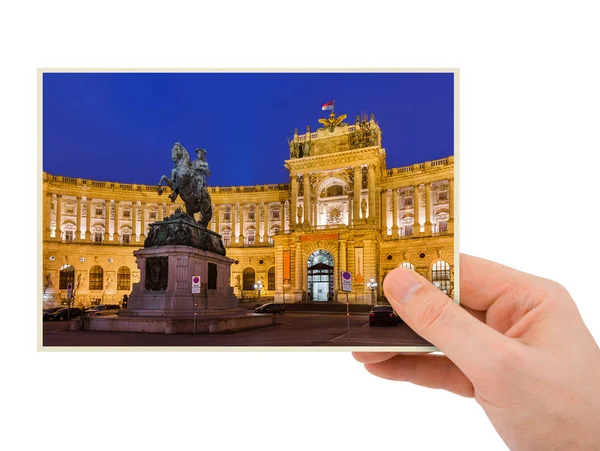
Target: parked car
272, 307
383, 314
48, 311
64, 313
103, 308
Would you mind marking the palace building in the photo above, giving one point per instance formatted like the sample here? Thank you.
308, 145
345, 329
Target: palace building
342, 210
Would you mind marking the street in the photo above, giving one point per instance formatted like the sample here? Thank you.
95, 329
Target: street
292, 330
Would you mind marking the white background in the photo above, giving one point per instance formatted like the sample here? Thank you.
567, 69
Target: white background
529, 127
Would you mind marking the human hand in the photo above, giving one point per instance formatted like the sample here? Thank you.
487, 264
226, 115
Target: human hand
517, 344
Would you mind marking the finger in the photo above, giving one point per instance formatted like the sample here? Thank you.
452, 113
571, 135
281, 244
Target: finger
434, 316
475, 313
373, 357
433, 371
483, 282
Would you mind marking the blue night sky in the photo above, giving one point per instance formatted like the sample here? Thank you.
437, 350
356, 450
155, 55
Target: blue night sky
120, 127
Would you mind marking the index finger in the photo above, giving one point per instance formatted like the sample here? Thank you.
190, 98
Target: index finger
483, 282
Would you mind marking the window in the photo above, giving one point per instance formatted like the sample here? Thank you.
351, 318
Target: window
275, 214
250, 236
123, 278
408, 230
441, 275
251, 215
248, 279
443, 196
126, 238
407, 265
99, 211
226, 235
408, 201
70, 209
271, 279
69, 235
442, 226
96, 278
227, 216
98, 237
126, 214
212, 276
66, 277
153, 215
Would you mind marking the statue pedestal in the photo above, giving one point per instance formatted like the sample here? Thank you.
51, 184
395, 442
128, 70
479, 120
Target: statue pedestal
165, 286
176, 250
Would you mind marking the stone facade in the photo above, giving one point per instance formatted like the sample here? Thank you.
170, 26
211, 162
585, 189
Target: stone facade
342, 205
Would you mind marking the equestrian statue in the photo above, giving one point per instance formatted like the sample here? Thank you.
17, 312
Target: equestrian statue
188, 181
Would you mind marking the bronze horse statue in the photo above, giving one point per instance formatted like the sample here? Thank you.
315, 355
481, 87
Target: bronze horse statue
189, 182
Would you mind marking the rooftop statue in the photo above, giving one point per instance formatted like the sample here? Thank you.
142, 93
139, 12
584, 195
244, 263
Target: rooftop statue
188, 181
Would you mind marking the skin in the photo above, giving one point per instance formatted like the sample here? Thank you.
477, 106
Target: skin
517, 344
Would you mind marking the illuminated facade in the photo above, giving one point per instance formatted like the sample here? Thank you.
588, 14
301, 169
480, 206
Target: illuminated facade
342, 209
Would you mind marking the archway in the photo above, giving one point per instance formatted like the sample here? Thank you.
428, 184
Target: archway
320, 276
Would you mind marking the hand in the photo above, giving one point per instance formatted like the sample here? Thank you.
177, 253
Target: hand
517, 344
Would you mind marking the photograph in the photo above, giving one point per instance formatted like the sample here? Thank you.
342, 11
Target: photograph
243, 209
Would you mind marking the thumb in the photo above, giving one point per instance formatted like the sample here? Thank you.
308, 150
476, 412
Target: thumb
465, 340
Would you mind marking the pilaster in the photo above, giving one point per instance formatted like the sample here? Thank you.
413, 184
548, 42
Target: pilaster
357, 190
106, 220
395, 213
416, 211
428, 209
58, 230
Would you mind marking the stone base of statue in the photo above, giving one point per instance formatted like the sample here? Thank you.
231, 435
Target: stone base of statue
175, 251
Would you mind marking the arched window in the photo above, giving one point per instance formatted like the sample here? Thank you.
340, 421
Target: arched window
249, 277
441, 275
271, 279
408, 265
226, 235
123, 278
96, 278
67, 276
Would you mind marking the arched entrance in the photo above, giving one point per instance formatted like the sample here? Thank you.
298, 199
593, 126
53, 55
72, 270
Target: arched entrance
320, 276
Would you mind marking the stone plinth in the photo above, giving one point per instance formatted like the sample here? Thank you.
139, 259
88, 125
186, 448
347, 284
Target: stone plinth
165, 286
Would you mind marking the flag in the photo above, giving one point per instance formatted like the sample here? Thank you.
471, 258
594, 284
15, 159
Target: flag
327, 106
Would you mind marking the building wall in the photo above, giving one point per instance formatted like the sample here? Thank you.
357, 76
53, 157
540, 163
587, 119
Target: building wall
341, 198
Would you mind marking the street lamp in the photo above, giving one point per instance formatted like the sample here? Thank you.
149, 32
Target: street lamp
258, 286
372, 285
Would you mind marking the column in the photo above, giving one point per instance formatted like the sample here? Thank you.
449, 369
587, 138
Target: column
279, 270
342, 257
416, 209
116, 222
233, 213
143, 226
395, 212
284, 212
160, 211
58, 232
357, 190
46, 209
88, 220
314, 221
307, 207
266, 223
350, 208
298, 284
372, 197
106, 219
217, 214
78, 219
451, 205
293, 200
428, 209
134, 220
241, 236
384, 210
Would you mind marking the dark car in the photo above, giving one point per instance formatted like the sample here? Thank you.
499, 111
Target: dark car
108, 308
63, 314
383, 314
48, 311
273, 308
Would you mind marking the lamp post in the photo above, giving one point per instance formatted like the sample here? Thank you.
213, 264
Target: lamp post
258, 286
372, 285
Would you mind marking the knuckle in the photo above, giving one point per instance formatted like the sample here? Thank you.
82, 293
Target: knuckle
434, 312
